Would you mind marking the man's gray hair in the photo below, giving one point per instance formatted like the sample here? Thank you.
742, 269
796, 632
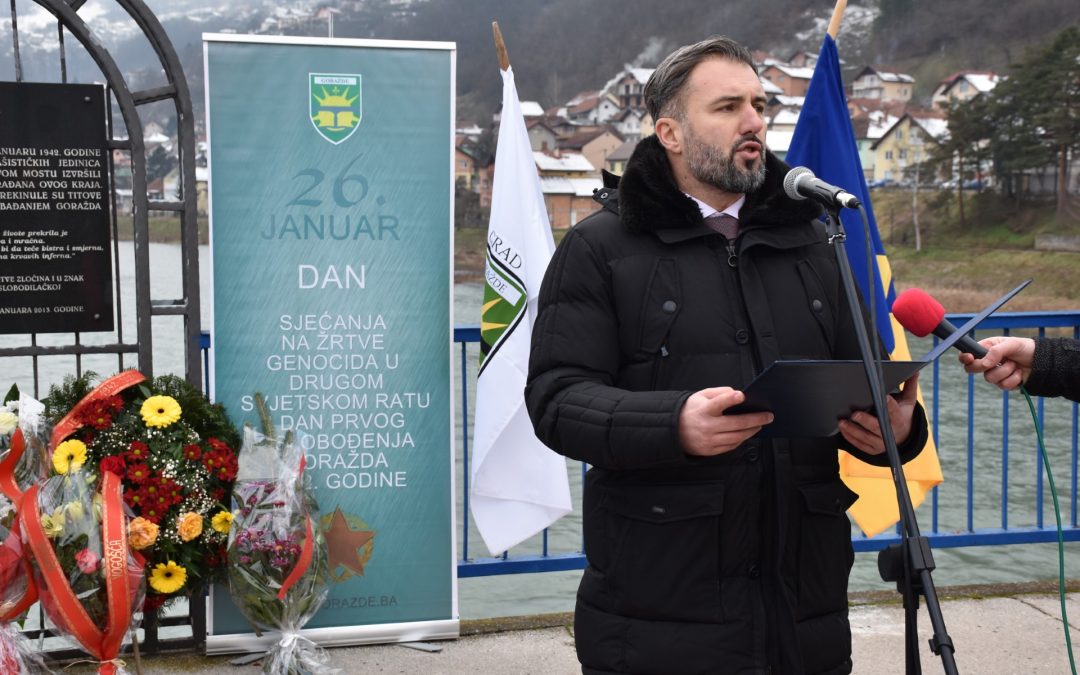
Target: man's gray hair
663, 91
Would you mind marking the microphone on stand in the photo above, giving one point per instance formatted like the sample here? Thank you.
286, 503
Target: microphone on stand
920, 314
800, 183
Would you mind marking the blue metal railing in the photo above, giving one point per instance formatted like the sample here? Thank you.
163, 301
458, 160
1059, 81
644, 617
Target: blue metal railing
1030, 322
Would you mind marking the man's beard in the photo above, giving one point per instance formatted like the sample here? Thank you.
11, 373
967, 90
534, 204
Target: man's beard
713, 167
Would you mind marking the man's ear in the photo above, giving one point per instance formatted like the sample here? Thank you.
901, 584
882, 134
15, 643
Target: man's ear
670, 134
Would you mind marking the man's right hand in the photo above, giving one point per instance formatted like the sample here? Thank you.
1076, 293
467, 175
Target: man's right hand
705, 430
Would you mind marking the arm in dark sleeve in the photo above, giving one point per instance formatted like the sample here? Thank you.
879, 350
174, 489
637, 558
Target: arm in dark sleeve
1055, 370
575, 408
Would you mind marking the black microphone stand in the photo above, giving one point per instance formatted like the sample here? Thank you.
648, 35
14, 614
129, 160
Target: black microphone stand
912, 556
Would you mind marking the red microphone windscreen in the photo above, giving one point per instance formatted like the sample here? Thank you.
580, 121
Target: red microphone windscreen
917, 311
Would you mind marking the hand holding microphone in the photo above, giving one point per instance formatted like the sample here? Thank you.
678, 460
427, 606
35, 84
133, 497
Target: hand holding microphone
921, 315
1007, 363
1004, 361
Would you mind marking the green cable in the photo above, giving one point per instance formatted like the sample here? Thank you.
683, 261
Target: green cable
1060, 533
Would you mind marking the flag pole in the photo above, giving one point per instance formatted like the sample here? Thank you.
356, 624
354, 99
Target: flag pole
910, 562
837, 17
500, 46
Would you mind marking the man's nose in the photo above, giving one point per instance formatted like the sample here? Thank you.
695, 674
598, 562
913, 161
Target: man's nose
752, 121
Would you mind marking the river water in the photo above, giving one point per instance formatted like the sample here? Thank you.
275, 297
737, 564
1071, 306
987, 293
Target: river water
554, 592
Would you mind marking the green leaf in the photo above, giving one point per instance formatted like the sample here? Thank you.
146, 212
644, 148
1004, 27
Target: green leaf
12, 395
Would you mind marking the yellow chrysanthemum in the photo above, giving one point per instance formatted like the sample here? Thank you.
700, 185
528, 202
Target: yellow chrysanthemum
69, 456
160, 411
222, 522
168, 578
53, 524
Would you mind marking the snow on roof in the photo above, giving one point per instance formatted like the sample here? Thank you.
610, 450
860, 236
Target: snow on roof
156, 139
880, 122
935, 126
790, 101
770, 88
779, 141
567, 161
579, 187
531, 109
793, 71
785, 118
894, 77
642, 75
984, 82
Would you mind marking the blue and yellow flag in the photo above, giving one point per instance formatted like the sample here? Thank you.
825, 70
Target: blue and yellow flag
824, 142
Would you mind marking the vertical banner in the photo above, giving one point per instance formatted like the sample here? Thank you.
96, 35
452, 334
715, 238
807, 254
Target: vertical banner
331, 226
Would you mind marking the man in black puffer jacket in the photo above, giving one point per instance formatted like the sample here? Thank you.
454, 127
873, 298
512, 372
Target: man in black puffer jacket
709, 550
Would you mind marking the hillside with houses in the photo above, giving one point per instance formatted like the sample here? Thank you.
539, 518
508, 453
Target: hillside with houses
897, 133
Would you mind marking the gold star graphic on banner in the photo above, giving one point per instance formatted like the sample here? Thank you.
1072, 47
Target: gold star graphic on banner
344, 543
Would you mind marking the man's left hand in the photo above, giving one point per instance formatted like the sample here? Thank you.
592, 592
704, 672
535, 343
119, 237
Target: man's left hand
863, 431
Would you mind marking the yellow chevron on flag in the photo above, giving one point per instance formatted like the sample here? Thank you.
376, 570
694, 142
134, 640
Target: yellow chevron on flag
877, 509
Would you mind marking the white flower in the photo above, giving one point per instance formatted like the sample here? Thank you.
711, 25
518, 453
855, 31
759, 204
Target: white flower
8, 422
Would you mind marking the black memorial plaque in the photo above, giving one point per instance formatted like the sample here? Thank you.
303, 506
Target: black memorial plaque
54, 209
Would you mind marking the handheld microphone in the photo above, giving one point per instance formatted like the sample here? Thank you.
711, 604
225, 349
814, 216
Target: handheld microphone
921, 315
800, 183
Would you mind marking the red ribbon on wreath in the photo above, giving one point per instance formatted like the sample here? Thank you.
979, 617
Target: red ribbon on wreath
72, 421
121, 581
8, 485
11, 561
11, 548
306, 553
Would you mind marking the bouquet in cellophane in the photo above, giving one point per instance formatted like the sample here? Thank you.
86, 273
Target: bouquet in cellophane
75, 524
17, 593
277, 554
19, 420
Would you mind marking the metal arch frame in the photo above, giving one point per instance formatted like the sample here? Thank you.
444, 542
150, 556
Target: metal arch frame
128, 101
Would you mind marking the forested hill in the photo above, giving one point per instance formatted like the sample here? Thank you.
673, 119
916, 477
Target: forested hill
561, 47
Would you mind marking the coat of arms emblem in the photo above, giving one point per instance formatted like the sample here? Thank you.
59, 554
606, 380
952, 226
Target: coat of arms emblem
335, 105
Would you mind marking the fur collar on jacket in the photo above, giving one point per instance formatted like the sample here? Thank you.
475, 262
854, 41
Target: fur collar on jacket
649, 199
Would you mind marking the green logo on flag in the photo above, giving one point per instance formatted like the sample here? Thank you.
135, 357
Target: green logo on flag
335, 105
504, 305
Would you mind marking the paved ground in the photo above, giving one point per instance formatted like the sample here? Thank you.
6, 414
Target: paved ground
1015, 634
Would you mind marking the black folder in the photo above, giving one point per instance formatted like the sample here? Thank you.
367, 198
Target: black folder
809, 398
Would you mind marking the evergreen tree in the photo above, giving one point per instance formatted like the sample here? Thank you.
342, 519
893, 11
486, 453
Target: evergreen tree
1035, 114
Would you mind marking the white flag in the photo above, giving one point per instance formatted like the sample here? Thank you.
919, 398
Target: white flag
519, 486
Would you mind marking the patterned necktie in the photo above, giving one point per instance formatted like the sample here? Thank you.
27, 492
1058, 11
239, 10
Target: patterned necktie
725, 224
